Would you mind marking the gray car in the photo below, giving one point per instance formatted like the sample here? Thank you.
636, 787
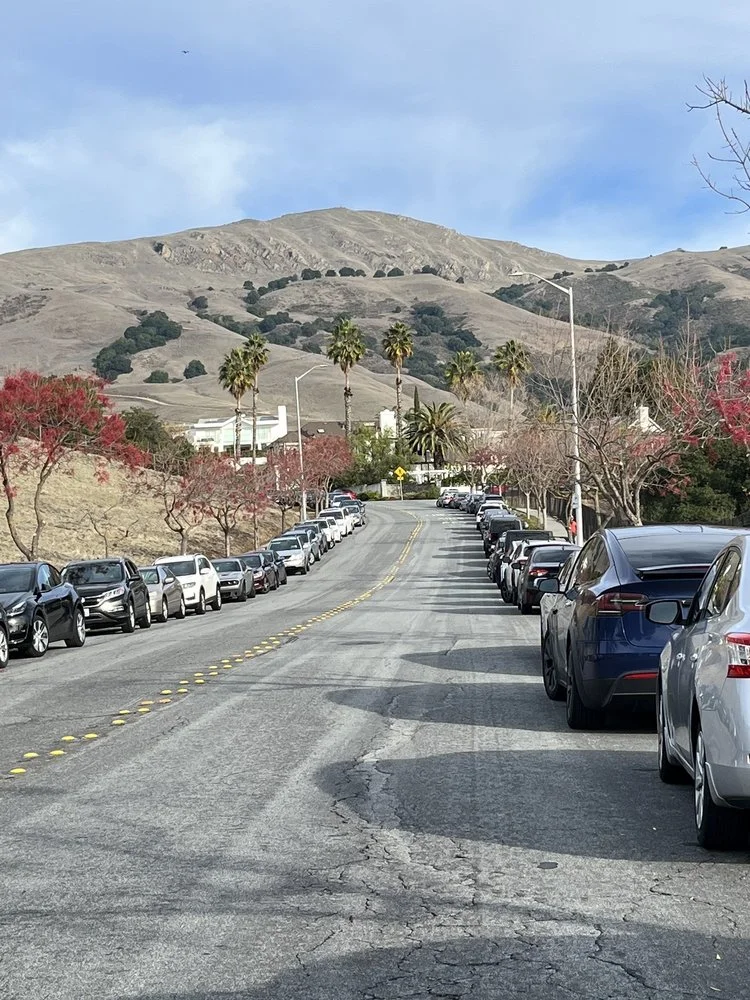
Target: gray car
703, 697
164, 592
309, 540
292, 550
235, 579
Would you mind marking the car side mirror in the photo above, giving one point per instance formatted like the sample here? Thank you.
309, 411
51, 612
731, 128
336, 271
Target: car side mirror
550, 585
205, 571
665, 613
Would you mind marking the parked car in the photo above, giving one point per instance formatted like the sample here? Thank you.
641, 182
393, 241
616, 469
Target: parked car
200, 581
282, 576
319, 534
446, 495
342, 519
475, 502
602, 649
488, 505
544, 560
39, 607
518, 563
703, 708
291, 549
509, 576
164, 592
235, 579
263, 569
497, 526
354, 507
309, 540
335, 526
112, 592
5, 639
329, 529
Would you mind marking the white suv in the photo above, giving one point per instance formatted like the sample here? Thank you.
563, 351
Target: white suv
343, 519
199, 579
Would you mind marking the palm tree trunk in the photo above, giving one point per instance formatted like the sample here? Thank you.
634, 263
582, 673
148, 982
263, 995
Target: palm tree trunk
398, 402
255, 419
347, 406
512, 399
237, 430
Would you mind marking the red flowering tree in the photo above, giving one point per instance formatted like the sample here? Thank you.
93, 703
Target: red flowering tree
44, 421
325, 459
284, 481
226, 493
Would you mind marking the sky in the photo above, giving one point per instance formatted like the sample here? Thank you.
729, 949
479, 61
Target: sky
561, 126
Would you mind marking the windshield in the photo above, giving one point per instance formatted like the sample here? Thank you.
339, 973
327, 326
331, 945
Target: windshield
282, 544
95, 572
338, 515
149, 575
182, 567
679, 548
253, 560
15, 578
550, 554
227, 566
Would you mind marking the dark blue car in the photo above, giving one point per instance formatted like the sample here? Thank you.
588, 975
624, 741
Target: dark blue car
599, 647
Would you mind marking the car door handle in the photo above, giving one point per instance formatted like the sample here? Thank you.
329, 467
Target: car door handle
554, 611
694, 658
680, 657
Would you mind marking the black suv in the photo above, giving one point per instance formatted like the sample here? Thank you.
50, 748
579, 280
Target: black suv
40, 608
113, 592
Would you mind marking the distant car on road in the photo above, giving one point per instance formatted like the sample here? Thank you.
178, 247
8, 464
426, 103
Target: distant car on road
200, 581
164, 592
113, 593
263, 569
40, 608
297, 558
235, 579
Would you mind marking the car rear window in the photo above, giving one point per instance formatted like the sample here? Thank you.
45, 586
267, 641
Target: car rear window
182, 567
649, 551
282, 545
227, 566
550, 554
107, 571
253, 561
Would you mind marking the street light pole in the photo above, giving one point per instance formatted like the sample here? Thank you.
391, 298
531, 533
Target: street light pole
577, 497
303, 491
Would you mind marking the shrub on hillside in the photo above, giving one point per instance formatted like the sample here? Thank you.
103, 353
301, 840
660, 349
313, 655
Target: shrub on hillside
157, 376
194, 368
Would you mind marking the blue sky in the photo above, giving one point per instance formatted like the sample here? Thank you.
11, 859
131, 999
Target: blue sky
562, 126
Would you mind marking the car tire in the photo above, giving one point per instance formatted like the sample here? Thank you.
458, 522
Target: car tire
303, 570
39, 643
128, 625
717, 827
504, 593
524, 607
550, 677
4, 648
670, 773
78, 638
251, 593
242, 596
182, 610
164, 616
578, 715
145, 622
217, 602
266, 585
275, 583
200, 607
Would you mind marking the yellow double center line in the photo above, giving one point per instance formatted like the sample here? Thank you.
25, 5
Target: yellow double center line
127, 716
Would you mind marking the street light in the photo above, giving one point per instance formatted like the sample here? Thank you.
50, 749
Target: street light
577, 501
297, 381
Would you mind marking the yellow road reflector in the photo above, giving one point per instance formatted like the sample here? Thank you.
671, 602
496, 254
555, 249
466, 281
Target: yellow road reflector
227, 666
91, 736
30, 755
201, 681
165, 701
214, 673
184, 682
57, 753
147, 703
18, 770
166, 691
118, 722
182, 690
143, 710
67, 739
124, 711
226, 661
198, 673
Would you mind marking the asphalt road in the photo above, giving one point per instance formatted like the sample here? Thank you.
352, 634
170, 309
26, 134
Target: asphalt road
383, 805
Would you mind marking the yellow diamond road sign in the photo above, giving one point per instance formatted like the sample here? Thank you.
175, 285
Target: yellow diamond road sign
399, 472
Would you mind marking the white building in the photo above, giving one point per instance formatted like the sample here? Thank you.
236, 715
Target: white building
217, 433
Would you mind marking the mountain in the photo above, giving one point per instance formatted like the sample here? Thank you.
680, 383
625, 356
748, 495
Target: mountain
60, 306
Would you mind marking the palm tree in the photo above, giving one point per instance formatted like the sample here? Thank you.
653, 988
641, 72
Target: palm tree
513, 362
345, 349
257, 353
398, 344
435, 427
236, 375
462, 372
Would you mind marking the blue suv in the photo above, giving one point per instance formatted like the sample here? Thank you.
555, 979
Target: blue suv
599, 646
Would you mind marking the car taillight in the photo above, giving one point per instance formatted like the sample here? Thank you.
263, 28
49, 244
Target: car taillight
739, 654
538, 571
619, 602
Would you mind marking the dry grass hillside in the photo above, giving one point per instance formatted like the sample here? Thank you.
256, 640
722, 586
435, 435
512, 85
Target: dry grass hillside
83, 515
60, 305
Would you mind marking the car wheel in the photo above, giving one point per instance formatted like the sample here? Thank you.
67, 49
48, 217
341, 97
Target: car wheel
717, 828
164, 616
275, 585
552, 686
505, 593
200, 607
578, 715
266, 585
78, 638
524, 607
217, 602
145, 622
670, 774
4, 648
182, 610
38, 644
251, 593
242, 596
285, 580
129, 624
303, 571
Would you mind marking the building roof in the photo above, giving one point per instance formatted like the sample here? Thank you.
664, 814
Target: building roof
312, 429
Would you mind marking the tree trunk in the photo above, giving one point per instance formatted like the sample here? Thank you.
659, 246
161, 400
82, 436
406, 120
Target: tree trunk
528, 505
512, 400
398, 402
347, 406
283, 520
255, 420
227, 547
183, 542
10, 512
237, 432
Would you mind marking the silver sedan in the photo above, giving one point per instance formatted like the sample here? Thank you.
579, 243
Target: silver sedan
164, 592
703, 697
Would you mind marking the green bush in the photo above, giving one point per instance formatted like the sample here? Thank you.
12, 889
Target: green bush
395, 272
158, 376
194, 368
380, 273
199, 303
